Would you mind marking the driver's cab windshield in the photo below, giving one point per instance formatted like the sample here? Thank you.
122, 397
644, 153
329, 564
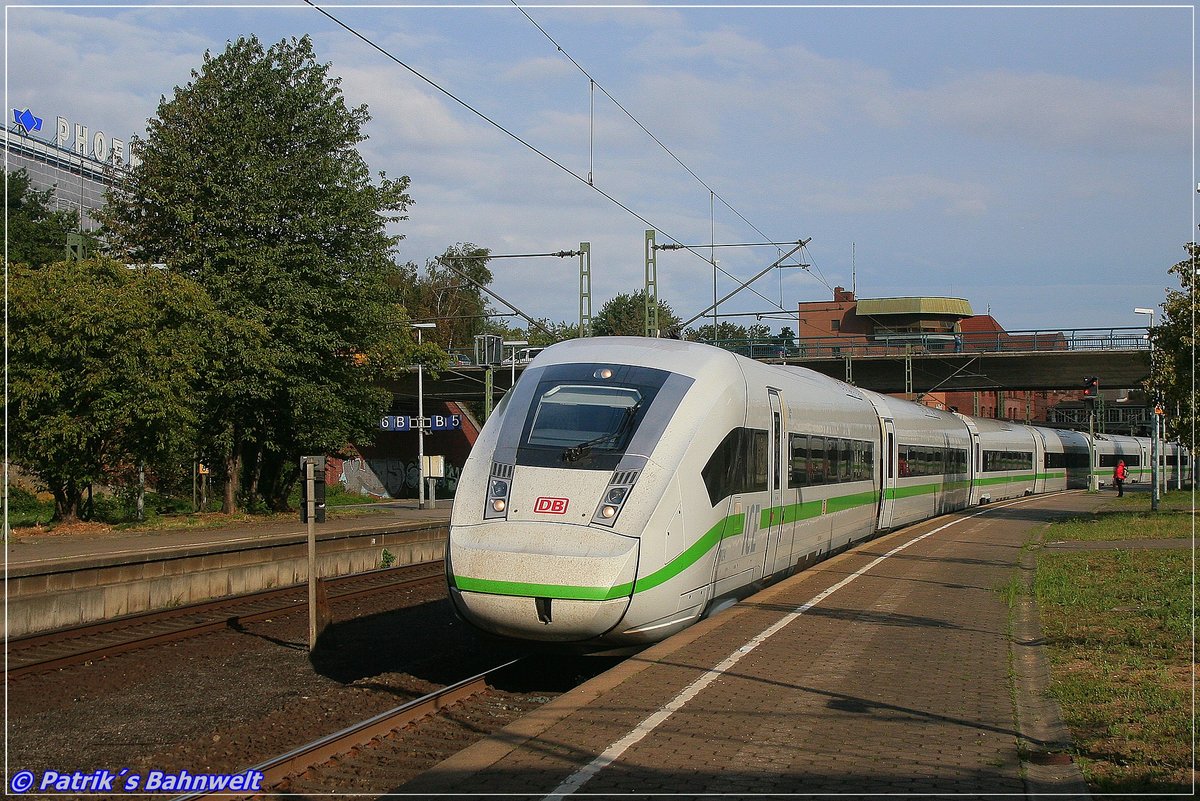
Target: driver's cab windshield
574, 416
586, 416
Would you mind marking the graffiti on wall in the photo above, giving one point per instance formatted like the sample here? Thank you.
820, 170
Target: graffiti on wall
393, 478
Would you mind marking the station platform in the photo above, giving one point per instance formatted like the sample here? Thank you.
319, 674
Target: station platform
58, 580
29, 550
906, 666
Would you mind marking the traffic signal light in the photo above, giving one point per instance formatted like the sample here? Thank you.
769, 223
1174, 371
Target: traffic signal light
1091, 388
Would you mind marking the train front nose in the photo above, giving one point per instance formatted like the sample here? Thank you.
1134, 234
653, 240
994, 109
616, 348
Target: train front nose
542, 581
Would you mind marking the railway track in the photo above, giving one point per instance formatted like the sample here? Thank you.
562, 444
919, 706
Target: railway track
277, 770
378, 754
39, 653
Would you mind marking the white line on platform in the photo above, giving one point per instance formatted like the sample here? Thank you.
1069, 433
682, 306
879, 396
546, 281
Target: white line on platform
614, 751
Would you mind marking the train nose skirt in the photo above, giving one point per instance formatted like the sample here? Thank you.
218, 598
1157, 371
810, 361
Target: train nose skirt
551, 582
540, 618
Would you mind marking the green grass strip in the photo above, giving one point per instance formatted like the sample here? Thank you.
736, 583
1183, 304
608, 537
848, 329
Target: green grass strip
1118, 626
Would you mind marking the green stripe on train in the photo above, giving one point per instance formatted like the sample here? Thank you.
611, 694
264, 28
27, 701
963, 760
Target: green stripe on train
730, 526
525, 589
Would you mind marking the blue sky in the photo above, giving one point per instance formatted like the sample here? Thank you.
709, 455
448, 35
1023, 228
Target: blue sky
1037, 161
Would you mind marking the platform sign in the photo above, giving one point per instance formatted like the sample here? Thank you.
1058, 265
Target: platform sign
436, 422
444, 422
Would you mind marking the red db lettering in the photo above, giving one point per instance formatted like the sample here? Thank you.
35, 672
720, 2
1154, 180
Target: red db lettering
550, 506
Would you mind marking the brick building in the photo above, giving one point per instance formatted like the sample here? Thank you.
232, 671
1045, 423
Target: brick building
848, 326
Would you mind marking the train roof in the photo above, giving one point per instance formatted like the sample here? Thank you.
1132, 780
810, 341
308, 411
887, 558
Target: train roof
677, 356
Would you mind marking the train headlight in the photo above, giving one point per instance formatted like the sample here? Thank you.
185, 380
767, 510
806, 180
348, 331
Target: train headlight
614, 497
495, 505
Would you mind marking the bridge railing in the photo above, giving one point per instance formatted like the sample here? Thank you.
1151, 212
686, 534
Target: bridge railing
1077, 339
1111, 414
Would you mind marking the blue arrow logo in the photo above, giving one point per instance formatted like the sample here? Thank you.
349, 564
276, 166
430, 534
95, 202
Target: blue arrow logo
27, 121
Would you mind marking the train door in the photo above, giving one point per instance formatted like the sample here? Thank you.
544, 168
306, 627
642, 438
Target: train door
887, 474
779, 541
977, 494
975, 462
1039, 462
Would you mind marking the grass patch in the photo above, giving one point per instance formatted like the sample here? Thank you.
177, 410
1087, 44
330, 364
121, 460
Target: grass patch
1138, 500
1130, 518
165, 513
1118, 626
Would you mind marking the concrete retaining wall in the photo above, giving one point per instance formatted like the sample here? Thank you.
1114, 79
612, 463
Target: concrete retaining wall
86, 593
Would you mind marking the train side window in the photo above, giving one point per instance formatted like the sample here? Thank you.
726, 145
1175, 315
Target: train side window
760, 455
831, 460
739, 464
816, 460
860, 462
799, 447
846, 460
723, 473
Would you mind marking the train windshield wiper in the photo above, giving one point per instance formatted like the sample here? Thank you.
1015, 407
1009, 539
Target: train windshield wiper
584, 449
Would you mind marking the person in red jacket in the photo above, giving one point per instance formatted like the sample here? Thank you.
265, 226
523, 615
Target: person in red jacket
1119, 476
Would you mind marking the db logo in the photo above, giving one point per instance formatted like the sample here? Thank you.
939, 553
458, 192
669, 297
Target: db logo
550, 506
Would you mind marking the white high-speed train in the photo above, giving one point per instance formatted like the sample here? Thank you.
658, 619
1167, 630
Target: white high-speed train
626, 486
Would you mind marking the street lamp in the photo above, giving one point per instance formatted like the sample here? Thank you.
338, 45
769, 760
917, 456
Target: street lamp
420, 327
516, 343
1154, 435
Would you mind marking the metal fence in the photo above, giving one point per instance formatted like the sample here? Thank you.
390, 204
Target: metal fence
1077, 339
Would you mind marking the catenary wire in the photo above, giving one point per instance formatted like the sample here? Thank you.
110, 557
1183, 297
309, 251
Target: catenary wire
513, 135
636, 121
594, 84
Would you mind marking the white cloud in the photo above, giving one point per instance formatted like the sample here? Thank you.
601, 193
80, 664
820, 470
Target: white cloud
1042, 109
543, 68
1027, 162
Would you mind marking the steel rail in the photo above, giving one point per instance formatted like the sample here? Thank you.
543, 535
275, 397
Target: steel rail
319, 751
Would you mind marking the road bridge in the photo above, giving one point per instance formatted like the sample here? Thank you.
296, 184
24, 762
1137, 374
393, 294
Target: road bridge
948, 372
1021, 360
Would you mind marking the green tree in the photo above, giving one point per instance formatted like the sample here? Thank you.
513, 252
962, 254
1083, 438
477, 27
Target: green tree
727, 332
251, 182
37, 234
625, 315
103, 365
1173, 377
456, 304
